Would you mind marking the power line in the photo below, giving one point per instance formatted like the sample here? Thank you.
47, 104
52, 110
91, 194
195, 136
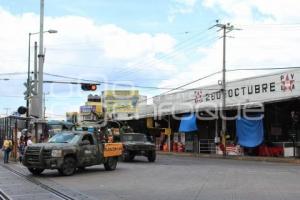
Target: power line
108, 83
13, 74
181, 86
172, 54
182, 45
262, 68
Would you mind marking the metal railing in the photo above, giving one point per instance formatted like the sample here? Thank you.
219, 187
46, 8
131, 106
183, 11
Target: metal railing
207, 146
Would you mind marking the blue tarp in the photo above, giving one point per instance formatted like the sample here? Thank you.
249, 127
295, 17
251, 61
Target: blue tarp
188, 123
250, 132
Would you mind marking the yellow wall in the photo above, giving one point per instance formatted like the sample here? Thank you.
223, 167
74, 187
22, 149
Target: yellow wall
97, 104
121, 101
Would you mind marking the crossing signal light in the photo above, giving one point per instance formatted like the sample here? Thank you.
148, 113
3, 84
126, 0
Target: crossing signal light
88, 87
22, 110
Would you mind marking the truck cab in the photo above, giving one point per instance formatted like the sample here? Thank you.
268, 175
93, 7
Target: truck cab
68, 151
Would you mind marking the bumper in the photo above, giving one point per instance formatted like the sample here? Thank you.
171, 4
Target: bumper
138, 152
52, 163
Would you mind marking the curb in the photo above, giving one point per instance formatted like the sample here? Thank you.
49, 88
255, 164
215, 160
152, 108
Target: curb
243, 158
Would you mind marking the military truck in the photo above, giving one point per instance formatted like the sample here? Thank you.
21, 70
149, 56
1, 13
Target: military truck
68, 151
137, 144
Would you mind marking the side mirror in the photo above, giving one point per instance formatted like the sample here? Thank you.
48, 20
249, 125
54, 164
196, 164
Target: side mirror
84, 142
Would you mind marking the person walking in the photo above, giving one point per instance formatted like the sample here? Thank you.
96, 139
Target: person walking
6, 147
29, 141
21, 150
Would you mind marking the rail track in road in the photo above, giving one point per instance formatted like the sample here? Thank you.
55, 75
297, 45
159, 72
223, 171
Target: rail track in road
3, 196
36, 182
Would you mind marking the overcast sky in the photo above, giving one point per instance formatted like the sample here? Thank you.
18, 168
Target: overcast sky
160, 43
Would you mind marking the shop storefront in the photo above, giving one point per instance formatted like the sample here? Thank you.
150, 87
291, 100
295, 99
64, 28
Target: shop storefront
275, 97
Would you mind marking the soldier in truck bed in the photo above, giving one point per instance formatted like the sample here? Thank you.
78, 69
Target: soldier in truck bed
126, 129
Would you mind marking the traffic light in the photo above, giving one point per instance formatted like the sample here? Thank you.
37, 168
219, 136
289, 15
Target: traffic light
88, 87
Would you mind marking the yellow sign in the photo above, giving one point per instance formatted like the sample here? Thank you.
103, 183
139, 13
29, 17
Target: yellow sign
121, 101
113, 149
120, 93
150, 122
168, 131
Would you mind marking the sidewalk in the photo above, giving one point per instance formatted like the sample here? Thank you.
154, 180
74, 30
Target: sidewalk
245, 158
17, 188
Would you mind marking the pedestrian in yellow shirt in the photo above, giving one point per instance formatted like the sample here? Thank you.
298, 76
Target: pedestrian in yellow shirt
6, 147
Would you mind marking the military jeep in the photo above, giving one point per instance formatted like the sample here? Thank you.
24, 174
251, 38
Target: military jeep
68, 151
137, 144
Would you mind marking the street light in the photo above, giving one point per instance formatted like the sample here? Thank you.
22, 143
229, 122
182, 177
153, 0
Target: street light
28, 70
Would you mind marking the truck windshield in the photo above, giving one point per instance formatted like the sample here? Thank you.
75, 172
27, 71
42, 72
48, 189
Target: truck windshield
133, 137
64, 138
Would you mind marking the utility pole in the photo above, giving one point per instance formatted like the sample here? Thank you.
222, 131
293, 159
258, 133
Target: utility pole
41, 63
225, 28
28, 82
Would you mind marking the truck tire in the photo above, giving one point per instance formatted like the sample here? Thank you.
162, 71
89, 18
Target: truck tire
111, 164
151, 156
68, 167
128, 156
35, 171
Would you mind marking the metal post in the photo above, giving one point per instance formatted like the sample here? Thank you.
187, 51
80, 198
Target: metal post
35, 67
44, 103
15, 140
28, 82
216, 132
34, 99
224, 87
169, 136
41, 63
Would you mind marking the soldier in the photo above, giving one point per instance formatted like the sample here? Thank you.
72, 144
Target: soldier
126, 128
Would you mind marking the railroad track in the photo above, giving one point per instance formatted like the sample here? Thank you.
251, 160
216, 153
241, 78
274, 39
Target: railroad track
36, 182
3, 196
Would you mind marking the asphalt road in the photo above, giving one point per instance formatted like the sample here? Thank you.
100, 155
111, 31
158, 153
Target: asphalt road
185, 178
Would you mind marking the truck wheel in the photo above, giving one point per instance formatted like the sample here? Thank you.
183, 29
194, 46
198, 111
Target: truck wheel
127, 156
111, 164
68, 167
35, 171
151, 156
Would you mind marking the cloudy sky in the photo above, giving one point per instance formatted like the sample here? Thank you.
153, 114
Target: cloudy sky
156, 43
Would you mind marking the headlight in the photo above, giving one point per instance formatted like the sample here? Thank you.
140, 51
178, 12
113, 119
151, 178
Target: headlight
56, 153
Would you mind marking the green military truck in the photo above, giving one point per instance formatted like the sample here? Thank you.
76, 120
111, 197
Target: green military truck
137, 144
68, 151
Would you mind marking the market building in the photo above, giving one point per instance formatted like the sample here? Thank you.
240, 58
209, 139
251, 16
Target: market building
194, 117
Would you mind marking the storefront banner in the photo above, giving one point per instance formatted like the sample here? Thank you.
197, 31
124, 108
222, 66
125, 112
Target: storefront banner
258, 90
